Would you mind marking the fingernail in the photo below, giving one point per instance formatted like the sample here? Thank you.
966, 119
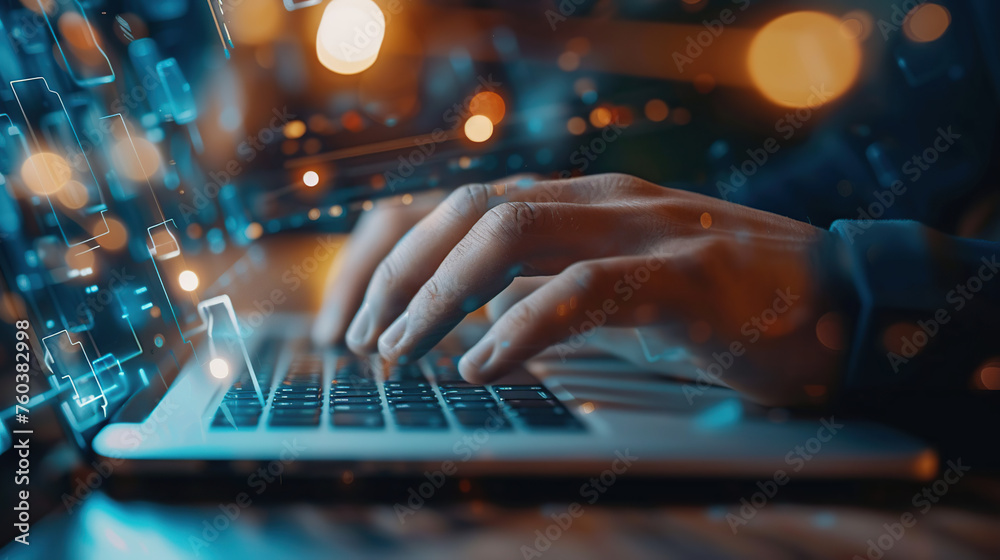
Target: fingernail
388, 342
360, 330
475, 360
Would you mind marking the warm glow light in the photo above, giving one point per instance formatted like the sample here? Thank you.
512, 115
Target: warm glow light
310, 178
350, 35
188, 281
136, 158
600, 117
45, 173
656, 110
254, 230
926, 23
576, 126
478, 128
804, 59
489, 104
73, 195
295, 129
219, 368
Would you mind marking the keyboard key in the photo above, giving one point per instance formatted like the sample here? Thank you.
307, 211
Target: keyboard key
412, 398
356, 408
406, 384
359, 385
297, 397
470, 390
524, 395
355, 400
501, 388
409, 391
420, 419
358, 420
315, 403
296, 390
354, 393
415, 406
469, 398
476, 405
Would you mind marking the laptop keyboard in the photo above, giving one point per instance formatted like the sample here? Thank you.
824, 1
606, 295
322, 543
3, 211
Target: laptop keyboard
357, 399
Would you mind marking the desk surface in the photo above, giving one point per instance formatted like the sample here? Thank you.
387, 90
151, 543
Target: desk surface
102, 528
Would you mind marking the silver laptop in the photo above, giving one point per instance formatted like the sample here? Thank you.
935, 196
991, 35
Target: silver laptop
319, 408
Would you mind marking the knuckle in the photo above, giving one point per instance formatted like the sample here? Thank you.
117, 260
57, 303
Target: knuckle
469, 199
387, 272
583, 275
512, 220
521, 316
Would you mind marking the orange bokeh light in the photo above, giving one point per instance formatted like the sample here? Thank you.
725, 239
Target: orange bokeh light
804, 59
926, 23
488, 104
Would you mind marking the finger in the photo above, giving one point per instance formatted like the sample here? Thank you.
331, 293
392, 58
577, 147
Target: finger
408, 266
375, 235
569, 309
513, 239
519, 289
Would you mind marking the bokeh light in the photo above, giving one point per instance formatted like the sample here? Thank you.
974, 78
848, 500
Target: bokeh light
576, 125
478, 128
45, 173
310, 178
600, 117
656, 110
350, 35
188, 281
73, 195
219, 368
294, 129
927, 22
804, 59
488, 104
136, 158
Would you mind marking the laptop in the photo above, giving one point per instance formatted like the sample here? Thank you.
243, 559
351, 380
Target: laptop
327, 410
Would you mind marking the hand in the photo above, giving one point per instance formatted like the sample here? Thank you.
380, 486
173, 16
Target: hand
376, 233
697, 274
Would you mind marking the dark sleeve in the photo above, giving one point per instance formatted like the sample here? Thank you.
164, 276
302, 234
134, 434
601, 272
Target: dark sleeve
925, 305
